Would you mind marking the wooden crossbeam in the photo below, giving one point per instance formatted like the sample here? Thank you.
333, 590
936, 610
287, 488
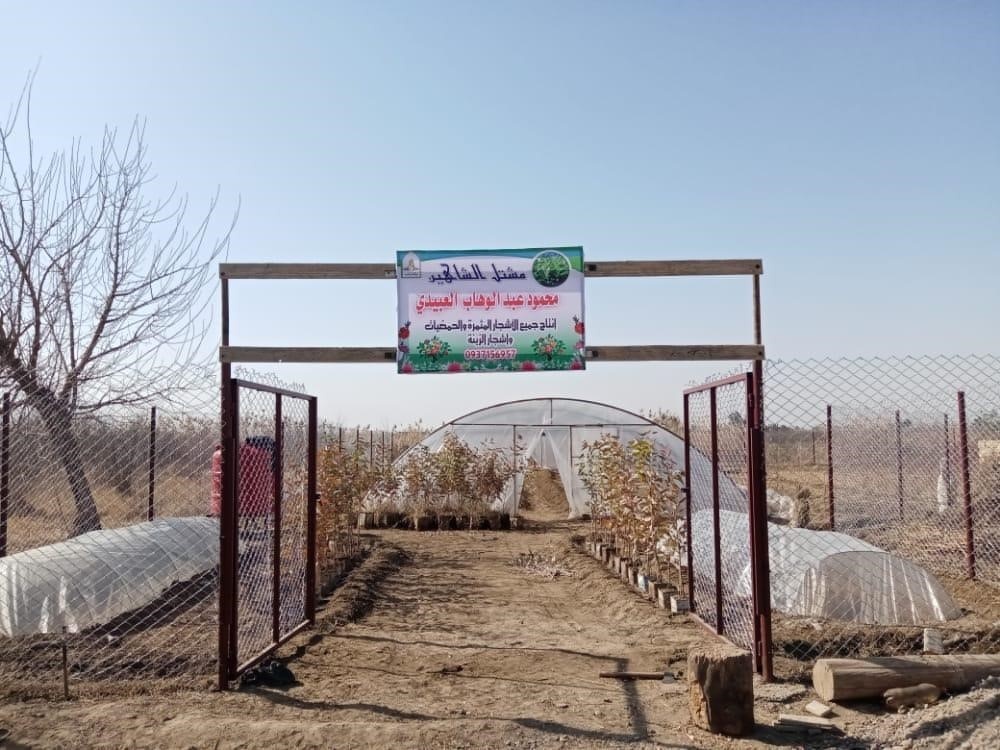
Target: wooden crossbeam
371, 354
751, 267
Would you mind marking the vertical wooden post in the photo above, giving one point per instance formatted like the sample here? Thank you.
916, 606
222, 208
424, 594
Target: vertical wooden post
899, 463
226, 542
963, 448
763, 544
4, 474
151, 495
812, 434
829, 466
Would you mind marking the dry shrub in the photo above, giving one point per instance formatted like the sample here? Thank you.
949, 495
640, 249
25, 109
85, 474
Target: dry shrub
636, 499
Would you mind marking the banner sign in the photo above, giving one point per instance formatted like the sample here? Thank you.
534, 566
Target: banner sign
490, 310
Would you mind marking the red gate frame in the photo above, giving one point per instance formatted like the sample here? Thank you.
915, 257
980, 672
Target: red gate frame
229, 668
760, 574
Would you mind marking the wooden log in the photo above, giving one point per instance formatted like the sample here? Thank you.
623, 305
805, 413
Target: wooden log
633, 675
853, 679
720, 689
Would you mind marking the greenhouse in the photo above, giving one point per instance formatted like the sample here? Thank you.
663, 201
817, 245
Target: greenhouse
813, 572
551, 433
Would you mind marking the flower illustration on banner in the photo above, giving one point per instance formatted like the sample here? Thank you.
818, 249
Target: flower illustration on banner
403, 349
549, 346
577, 325
454, 367
527, 366
433, 348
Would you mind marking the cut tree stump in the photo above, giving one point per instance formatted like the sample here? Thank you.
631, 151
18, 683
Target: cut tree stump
854, 679
720, 689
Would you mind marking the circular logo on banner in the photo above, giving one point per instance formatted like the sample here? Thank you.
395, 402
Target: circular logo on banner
550, 268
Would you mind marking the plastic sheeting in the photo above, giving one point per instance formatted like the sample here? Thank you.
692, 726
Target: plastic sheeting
91, 579
825, 574
552, 432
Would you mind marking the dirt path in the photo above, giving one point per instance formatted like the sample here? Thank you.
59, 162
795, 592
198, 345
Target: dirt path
461, 649
529, 649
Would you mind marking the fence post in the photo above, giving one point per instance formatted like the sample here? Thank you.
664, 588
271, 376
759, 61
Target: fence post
754, 520
151, 500
279, 467
947, 460
963, 447
228, 532
371, 448
311, 498
829, 466
687, 510
899, 463
760, 546
716, 530
812, 434
4, 474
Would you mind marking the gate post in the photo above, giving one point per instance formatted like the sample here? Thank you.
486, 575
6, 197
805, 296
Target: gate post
227, 533
760, 552
279, 470
311, 498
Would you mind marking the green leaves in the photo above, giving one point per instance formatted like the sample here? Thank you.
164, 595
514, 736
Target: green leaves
635, 492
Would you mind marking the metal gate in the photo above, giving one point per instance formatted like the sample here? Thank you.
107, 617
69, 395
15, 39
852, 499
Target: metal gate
267, 503
726, 515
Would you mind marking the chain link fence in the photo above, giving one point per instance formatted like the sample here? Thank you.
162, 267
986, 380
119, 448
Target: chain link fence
109, 541
883, 484
108, 554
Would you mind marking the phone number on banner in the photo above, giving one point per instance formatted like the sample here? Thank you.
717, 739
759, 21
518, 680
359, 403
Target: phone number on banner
490, 353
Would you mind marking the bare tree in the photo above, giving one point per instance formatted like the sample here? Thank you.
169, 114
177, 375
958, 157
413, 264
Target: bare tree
102, 287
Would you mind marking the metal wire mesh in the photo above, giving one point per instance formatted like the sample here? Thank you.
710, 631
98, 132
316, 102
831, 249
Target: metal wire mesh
272, 504
255, 470
720, 532
104, 531
879, 451
294, 510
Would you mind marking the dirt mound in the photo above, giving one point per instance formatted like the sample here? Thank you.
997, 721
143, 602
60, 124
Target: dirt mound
543, 497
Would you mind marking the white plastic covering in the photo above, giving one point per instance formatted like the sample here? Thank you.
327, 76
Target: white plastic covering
91, 579
552, 431
825, 574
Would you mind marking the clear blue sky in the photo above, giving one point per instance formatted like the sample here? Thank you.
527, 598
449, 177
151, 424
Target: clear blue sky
854, 146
